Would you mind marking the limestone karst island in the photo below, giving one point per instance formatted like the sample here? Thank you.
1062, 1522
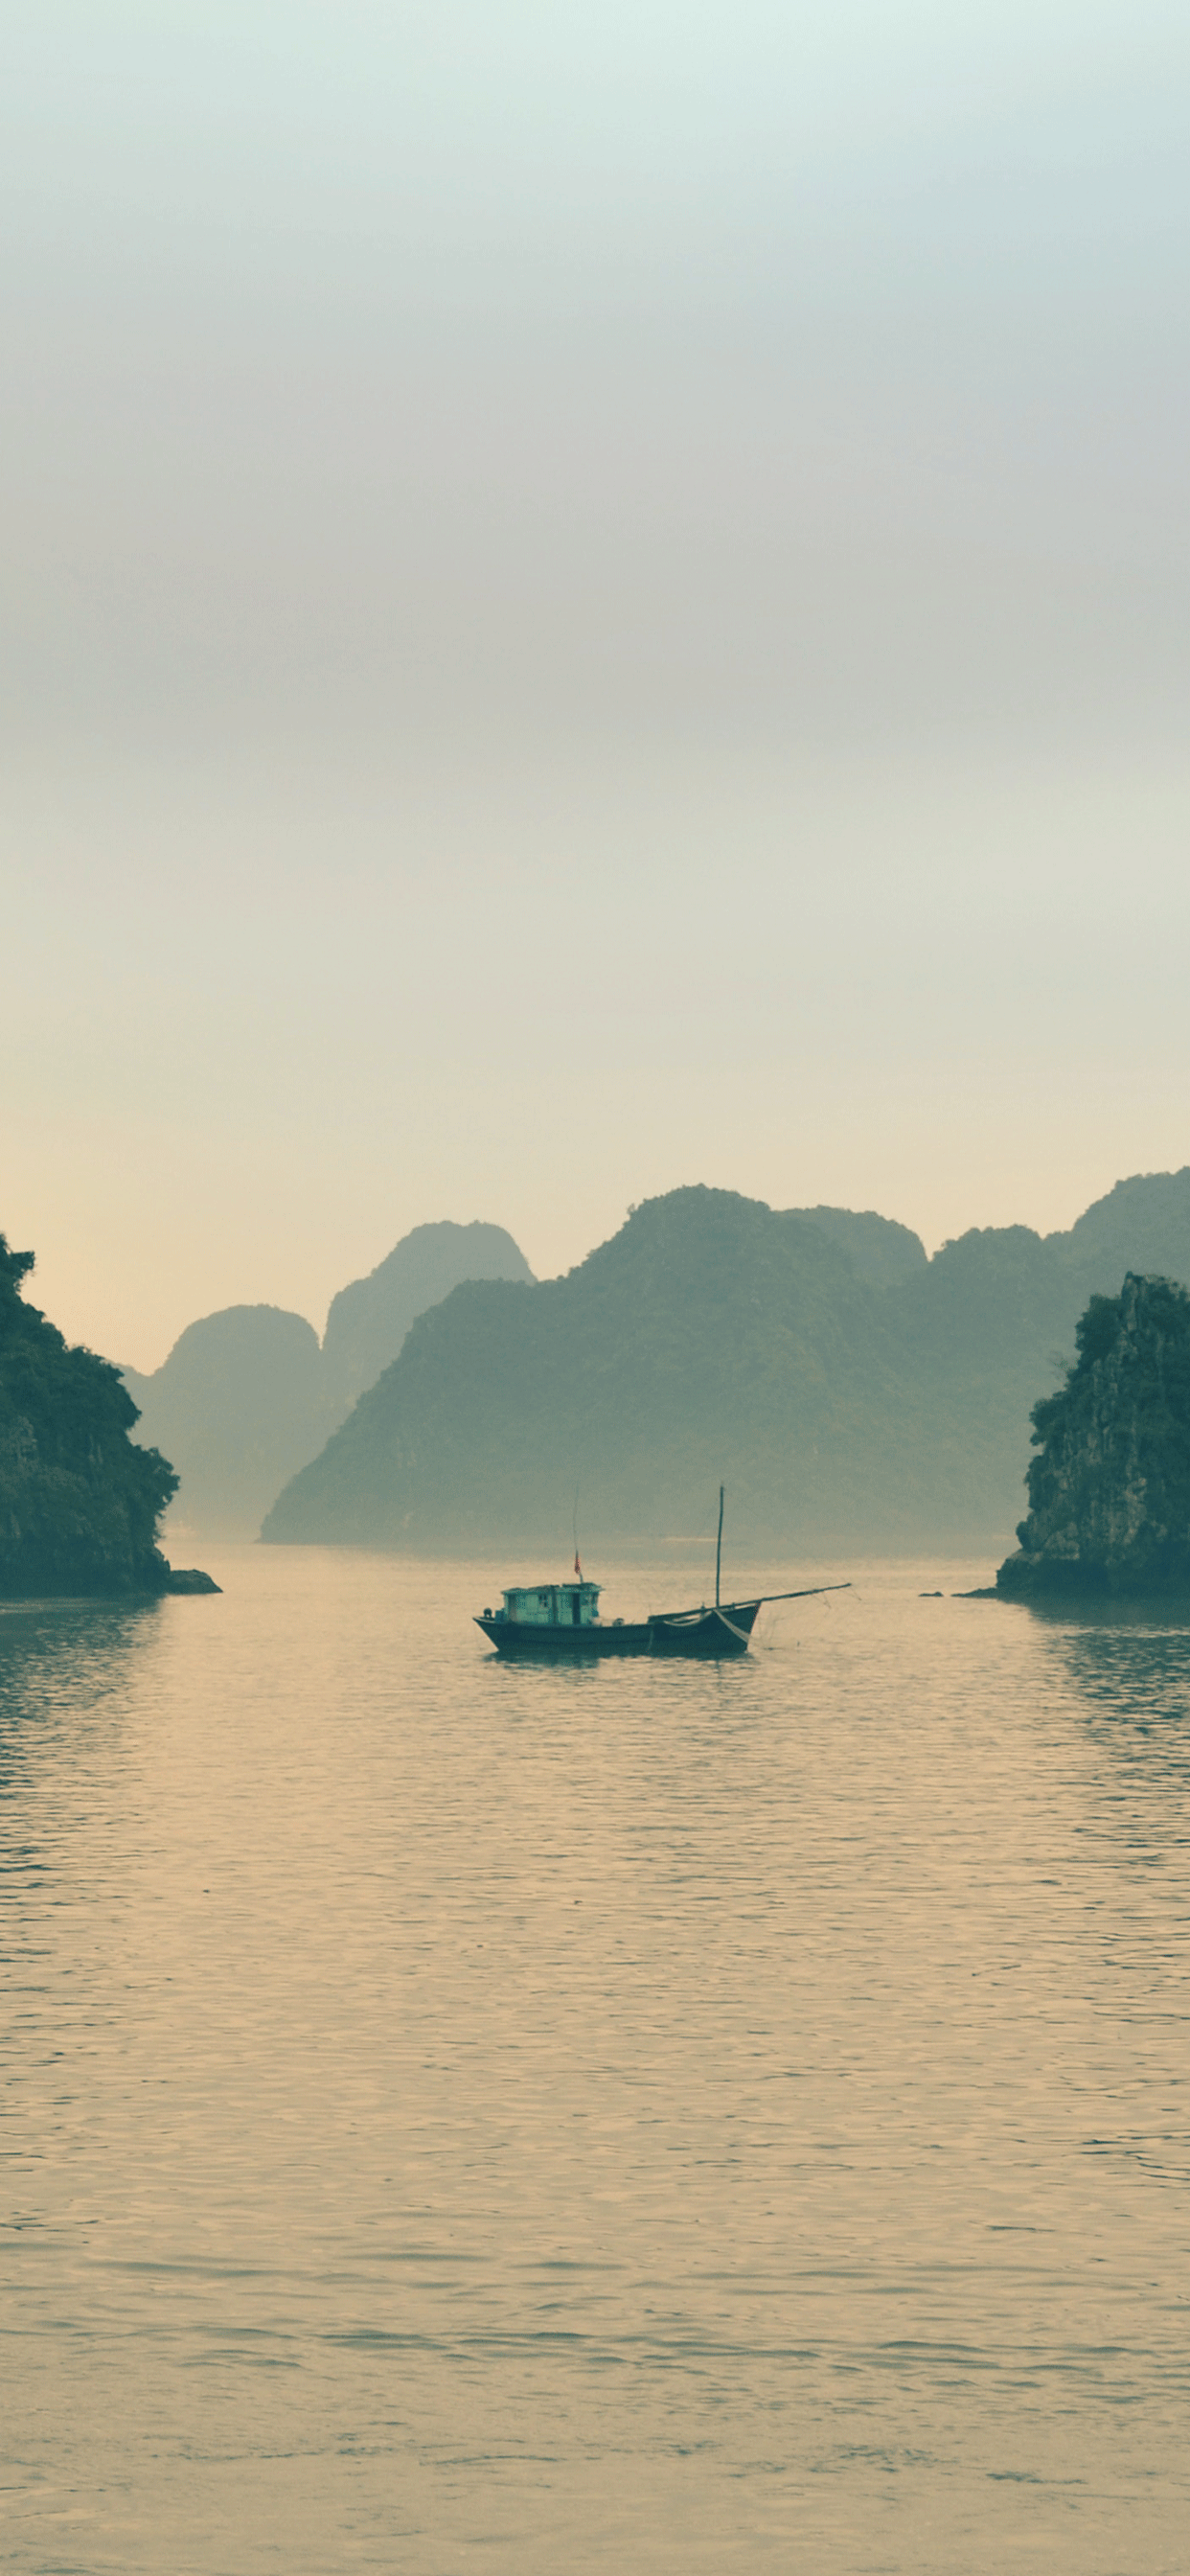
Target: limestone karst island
1109, 1492
80, 1503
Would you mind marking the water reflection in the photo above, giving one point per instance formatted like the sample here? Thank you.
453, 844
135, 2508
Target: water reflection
68, 1654
66, 1682
1133, 1665
1129, 1678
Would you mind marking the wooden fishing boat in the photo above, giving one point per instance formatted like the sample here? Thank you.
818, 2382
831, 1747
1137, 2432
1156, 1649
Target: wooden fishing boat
560, 1622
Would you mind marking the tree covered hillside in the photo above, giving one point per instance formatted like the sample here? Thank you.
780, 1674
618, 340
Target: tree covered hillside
852, 1393
710, 1338
79, 1502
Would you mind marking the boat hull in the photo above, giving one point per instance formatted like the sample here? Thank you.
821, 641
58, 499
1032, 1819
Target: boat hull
708, 1635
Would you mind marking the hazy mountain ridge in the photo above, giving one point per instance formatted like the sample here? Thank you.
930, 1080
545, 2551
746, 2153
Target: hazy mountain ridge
248, 1395
1142, 1224
715, 1337
503, 1396
883, 1251
239, 1405
368, 1320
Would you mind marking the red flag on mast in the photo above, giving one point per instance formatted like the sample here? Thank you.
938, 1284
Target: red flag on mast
577, 1567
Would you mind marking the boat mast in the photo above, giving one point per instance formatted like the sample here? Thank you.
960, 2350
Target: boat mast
719, 1548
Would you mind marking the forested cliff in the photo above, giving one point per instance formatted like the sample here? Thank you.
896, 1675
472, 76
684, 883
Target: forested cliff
79, 1502
1109, 1491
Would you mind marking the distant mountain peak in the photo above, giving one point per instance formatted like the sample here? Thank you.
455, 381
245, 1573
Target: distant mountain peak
369, 1319
248, 1395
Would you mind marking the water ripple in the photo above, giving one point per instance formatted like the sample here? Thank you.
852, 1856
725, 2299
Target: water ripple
643, 2117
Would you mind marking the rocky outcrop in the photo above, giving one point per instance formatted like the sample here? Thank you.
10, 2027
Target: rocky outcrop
79, 1501
1109, 1491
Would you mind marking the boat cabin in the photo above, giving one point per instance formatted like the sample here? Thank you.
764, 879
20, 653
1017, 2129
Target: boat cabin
552, 1605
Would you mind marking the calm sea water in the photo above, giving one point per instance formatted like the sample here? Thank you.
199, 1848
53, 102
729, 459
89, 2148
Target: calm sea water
647, 2118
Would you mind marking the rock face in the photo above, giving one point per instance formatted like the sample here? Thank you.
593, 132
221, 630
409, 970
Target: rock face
1110, 1489
79, 1501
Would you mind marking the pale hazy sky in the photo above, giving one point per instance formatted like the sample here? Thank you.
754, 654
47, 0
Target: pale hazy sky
594, 598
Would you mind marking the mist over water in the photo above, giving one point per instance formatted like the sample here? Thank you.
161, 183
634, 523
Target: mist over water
638, 2117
